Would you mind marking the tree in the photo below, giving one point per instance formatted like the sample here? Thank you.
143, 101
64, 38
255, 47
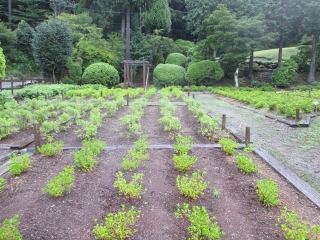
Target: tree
311, 26
52, 44
221, 28
61, 6
8, 41
2, 65
198, 11
158, 16
24, 34
253, 33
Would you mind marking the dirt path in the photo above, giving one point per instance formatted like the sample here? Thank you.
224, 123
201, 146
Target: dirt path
297, 148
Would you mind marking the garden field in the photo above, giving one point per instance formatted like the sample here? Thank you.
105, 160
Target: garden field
151, 141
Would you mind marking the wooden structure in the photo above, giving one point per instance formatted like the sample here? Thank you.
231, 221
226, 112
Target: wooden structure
23, 82
127, 73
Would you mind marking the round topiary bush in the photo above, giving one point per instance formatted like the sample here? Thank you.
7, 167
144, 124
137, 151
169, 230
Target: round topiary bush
168, 75
177, 59
101, 73
205, 72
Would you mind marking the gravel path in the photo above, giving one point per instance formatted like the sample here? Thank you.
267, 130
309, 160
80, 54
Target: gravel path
297, 148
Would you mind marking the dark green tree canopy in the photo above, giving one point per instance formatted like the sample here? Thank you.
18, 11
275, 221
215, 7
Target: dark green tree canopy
52, 44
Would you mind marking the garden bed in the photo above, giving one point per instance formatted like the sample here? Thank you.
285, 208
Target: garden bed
238, 211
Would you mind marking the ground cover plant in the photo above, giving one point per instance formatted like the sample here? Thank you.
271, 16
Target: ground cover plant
9, 229
61, 184
228, 145
2, 182
245, 164
117, 225
19, 163
267, 191
132, 189
51, 148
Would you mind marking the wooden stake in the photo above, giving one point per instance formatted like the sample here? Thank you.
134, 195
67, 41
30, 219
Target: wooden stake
309, 92
223, 124
11, 86
193, 96
127, 99
297, 114
188, 92
247, 140
101, 93
37, 142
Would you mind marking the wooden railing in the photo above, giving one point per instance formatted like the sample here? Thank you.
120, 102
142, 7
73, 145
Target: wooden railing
23, 81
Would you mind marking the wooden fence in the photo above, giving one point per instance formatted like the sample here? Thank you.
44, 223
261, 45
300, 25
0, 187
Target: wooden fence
23, 82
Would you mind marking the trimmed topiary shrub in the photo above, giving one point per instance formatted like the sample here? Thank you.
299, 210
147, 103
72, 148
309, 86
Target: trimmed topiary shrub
101, 73
168, 75
284, 75
177, 59
205, 72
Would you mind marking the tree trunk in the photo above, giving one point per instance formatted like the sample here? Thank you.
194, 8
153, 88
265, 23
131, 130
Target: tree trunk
128, 33
140, 19
312, 73
9, 14
251, 65
123, 24
215, 53
208, 52
280, 49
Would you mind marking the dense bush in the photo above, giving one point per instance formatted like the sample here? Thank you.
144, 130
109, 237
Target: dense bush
183, 46
2, 65
284, 75
229, 62
177, 59
204, 72
168, 74
101, 73
75, 72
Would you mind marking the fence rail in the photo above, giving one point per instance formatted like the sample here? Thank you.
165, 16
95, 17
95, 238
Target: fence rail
18, 83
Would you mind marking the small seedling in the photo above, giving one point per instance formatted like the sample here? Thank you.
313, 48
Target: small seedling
130, 190
2, 181
51, 148
216, 192
267, 191
19, 163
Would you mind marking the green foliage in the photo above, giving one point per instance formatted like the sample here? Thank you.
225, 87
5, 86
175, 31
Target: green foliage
183, 46
52, 44
2, 181
61, 184
284, 75
184, 162
9, 229
19, 163
202, 225
249, 148
205, 72
228, 146
183, 144
85, 159
168, 75
8, 40
74, 70
117, 226
245, 164
229, 62
193, 186
51, 148
24, 34
267, 191
101, 73
161, 48
294, 229
177, 59
2, 64
130, 190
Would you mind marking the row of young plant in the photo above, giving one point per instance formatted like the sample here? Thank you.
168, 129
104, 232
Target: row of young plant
267, 190
284, 102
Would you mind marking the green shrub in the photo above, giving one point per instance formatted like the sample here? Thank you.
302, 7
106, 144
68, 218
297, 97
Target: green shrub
74, 70
101, 73
129, 190
168, 75
51, 148
230, 61
193, 186
184, 162
2, 65
201, 226
9, 229
2, 181
117, 226
245, 164
183, 144
284, 75
267, 191
177, 59
19, 163
85, 159
61, 184
294, 229
228, 146
205, 72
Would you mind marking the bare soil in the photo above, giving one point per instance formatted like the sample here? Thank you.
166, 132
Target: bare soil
237, 209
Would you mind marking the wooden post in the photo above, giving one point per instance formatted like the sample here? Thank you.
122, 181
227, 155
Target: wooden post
1, 85
223, 123
37, 142
127, 99
275, 88
124, 75
247, 140
11, 86
144, 75
309, 92
101, 93
297, 114
193, 96
131, 75
188, 92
